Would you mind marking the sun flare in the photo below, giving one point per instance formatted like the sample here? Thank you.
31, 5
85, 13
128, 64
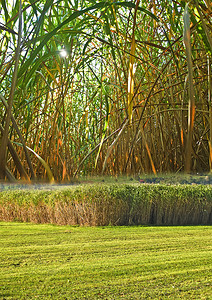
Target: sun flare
63, 53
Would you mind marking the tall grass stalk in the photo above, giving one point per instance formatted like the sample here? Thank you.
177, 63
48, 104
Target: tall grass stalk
101, 205
126, 67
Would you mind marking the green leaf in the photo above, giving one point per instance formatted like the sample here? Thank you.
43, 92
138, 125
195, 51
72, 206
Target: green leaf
132, 5
73, 16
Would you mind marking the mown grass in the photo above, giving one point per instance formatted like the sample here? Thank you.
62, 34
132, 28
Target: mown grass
110, 204
64, 262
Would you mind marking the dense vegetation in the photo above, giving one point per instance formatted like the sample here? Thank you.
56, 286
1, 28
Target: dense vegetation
104, 86
64, 262
109, 204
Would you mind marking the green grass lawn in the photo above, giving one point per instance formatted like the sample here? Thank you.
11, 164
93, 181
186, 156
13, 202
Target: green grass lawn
64, 262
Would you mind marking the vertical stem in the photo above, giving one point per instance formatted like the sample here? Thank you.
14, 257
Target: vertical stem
191, 106
4, 140
210, 112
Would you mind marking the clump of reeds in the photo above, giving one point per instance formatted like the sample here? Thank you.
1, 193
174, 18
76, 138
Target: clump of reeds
100, 205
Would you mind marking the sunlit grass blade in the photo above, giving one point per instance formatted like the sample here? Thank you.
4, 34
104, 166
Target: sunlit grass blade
131, 73
45, 165
191, 109
206, 30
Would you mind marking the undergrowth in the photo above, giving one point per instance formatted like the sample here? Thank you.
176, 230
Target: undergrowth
105, 204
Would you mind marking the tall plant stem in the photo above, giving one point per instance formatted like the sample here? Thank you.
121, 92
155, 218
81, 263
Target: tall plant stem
16, 159
97, 146
21, 138
210, 112
142, 113
4, 140
191, 110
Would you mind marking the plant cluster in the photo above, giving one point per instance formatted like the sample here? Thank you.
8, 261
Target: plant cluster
107, 87
100, 205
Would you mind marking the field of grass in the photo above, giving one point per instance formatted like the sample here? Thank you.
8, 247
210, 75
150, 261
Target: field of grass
108, 203
69, 262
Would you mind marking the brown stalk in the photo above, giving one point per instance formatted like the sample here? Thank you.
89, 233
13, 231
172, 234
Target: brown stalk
191, 109
96, 147
210, 112
21, 139
15, 158
142, 113
4, 140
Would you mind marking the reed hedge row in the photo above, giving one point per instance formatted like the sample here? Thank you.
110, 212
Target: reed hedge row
101, 205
